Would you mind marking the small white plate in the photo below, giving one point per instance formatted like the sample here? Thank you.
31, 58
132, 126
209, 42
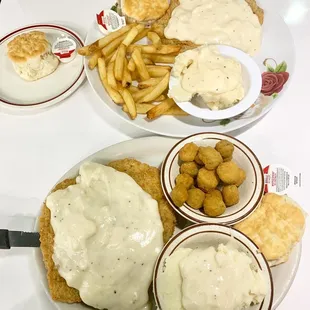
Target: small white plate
20, 94
152, 150
251, 191
252, 83
205, 235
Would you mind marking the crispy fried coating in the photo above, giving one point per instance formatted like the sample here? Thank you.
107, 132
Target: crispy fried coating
190, 168
215, 193
145, 176
207, 179
225, 148
188, 152
179, 195
58, 287
242, 177
185, 180
228, 172
230, 195
199, 161
210, 157
213, 206
195, 198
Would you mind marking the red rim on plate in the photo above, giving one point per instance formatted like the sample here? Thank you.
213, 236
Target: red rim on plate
52, 26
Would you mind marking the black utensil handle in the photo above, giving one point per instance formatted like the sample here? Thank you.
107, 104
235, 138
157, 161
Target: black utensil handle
4, 239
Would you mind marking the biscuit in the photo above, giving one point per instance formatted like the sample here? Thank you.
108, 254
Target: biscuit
144, 10
275, 227
27, 45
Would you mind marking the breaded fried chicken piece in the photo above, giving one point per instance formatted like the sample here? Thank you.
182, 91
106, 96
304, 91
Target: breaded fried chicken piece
148, 178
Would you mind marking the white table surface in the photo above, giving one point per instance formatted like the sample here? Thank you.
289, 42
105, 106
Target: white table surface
35, 150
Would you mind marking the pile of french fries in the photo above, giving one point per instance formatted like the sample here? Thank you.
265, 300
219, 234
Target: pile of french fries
130, 72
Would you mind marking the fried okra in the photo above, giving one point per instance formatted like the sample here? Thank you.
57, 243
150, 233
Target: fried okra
207, 180
195, 198
179, 195
188, 152
213, 205
189, 168
230, 195
228, 172
184, 179
242, 177
210, 157
225, 148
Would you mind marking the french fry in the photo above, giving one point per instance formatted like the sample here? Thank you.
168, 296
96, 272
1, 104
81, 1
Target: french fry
133, 89
148, 61
110, 75
99, 44
141, 35
143, 108
126, 81
149, 82
167, 68
160, 108
167, 59
135, 76
115, 95
154, 37
112, 46
133, 32
131, 65
157, 90
119, 62
140, 65
156, 71
149, 49
93, 60
141, 93
159, 99
129, 102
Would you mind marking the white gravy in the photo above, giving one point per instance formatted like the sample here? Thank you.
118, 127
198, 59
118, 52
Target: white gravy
213, 279
108, 234
229, 22
204, 71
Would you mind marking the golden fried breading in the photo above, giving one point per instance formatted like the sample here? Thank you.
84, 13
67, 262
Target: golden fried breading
190, 168
242, 177
144, 10
145, 176
185, 180
275, 227
210, 157
207, 179
198, 160
228, 172
58, 287
188, 152
216, 193
230, 195
213, 206
162, 23
225, 148
179, 195
195, 198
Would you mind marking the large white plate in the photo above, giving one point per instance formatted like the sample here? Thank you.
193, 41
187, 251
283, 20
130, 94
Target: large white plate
277, 45
152, 150
20, 94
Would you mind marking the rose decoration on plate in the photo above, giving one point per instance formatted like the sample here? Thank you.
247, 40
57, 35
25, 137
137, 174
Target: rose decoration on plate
274, 79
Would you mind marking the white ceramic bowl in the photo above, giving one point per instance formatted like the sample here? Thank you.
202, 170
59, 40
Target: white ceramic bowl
250, 192
205, 235
252, 85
